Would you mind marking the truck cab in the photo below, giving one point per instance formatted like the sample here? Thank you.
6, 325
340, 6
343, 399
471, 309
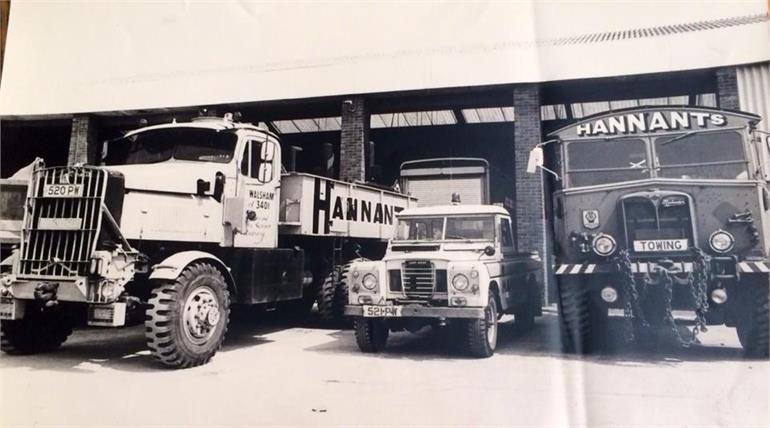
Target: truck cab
450, 266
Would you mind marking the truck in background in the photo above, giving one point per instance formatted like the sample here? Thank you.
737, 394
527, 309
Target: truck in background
178, 222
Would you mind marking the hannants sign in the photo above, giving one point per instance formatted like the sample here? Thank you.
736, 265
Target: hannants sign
651, 121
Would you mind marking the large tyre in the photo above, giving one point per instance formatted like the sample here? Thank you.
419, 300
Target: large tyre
333, 297
481, 334
39, 331
187, 318
371, 334
575, 314
754, 329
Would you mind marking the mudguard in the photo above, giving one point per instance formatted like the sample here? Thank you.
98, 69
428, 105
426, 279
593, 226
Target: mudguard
172, 266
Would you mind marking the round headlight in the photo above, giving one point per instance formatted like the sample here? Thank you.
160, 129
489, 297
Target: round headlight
369, 282
604, 245
721, 241
460, 282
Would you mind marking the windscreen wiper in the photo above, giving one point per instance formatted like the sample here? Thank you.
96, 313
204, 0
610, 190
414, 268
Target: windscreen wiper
677, 138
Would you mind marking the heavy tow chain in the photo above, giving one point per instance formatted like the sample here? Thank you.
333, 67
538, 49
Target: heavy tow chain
632, 312
698, 281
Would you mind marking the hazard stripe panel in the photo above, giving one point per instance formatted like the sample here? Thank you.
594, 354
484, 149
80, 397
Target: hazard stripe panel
754, 267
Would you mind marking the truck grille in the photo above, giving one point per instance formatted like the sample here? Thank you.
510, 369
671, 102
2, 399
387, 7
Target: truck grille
61, 226
646, 219
419, 278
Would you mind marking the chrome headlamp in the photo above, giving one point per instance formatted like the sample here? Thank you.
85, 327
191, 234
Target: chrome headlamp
604, 245
460, 282
369, 282
721, 241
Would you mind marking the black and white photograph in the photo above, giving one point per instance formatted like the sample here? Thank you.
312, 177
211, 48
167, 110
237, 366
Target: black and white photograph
240, 213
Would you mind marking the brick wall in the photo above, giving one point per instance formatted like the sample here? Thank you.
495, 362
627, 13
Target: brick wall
83, 140
353, 139
727, 88
530, 209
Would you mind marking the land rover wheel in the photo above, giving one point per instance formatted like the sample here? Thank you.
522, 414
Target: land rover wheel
187, 318
40, 331
754, 328
575, 315
371, 334
481, 334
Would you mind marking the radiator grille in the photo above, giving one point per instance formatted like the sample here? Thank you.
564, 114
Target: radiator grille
419, 278
60, 232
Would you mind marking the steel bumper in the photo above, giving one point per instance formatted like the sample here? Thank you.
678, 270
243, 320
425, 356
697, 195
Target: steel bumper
66, 291
425, 312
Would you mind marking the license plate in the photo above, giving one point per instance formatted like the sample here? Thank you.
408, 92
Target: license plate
62, 190
652, 245
382, 311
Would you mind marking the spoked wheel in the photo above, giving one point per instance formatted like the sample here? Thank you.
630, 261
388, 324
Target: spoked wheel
187, 318
481, 334
754, 328
39, 331
371, 334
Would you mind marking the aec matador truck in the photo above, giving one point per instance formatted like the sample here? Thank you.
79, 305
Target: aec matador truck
660, 208
179, 221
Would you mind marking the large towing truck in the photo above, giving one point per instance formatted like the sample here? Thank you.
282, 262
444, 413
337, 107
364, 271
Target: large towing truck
179, 221
660, 208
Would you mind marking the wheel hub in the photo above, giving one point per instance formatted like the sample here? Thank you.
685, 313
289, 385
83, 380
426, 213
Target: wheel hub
201, 315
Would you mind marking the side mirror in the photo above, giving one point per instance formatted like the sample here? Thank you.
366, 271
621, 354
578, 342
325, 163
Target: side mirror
219, 186
202, 186
489, 250
267, 151
535, 160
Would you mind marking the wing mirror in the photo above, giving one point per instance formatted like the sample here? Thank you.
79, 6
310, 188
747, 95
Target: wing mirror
489, 251
267, 151
537, 159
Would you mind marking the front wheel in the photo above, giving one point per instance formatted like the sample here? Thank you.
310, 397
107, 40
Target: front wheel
371, 334
481, 334
754, 328
187, 318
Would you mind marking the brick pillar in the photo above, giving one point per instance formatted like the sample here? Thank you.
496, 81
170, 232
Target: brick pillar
353, 139
530, 202
727, 89
83, 141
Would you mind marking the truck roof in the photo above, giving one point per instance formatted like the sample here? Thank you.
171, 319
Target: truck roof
214, 123
454, 210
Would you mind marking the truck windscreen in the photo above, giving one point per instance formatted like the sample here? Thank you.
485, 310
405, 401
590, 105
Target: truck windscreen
606, 161
192, 144
712, 155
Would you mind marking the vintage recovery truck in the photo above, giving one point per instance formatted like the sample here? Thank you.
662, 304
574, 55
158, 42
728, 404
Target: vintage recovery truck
451, 266
659, 208
178, 222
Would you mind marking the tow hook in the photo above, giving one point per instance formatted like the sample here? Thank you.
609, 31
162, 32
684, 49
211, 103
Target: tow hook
45, 292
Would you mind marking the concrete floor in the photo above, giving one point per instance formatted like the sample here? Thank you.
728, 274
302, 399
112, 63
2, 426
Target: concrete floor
273, 372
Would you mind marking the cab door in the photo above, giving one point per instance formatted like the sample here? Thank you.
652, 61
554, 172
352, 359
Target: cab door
259, 175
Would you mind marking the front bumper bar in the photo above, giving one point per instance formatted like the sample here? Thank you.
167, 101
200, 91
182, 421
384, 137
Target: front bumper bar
425, 312
756, 266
